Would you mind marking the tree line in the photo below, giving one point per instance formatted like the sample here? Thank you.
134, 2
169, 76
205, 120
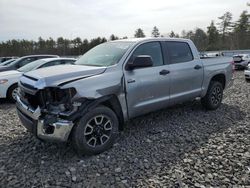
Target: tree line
224, 35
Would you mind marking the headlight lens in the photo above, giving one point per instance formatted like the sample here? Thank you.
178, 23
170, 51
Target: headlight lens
3, 81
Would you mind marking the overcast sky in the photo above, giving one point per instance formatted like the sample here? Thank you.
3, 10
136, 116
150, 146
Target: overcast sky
29, 19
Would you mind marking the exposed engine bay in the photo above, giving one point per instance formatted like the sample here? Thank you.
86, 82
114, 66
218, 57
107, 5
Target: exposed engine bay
52, 108
52, 101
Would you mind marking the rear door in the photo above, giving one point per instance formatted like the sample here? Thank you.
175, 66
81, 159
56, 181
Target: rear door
147, 89
186, 72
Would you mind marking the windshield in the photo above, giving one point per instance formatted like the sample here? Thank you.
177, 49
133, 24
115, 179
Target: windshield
105, 54
31, 66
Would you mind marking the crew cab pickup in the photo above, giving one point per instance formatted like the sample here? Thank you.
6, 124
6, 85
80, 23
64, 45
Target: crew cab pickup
88, 103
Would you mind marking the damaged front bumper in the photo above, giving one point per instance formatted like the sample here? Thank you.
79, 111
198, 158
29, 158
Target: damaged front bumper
33, 121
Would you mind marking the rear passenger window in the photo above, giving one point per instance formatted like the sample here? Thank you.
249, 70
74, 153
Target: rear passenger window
179, 52
152, 49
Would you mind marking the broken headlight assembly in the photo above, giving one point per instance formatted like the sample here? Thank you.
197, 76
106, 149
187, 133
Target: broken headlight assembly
58, 101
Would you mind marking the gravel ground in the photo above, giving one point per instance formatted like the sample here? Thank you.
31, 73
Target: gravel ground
182, 146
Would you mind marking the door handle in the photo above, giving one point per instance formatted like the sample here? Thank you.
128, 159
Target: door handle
197, 67
164, 72
131, 81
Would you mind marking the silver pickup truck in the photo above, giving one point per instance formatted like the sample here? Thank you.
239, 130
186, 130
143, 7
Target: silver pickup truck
88, 103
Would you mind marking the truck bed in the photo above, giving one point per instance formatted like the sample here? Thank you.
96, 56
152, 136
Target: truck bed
210, 61
217, 65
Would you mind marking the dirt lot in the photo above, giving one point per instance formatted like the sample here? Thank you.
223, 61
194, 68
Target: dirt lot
182, 146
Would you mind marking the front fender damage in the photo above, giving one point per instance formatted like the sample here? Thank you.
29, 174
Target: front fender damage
61, 108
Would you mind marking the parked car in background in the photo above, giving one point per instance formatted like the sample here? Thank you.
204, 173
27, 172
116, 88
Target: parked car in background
5, 63
247, 73
213, 54
9, 79
241, 61
203, 55
3, 59
18, 63
89, 102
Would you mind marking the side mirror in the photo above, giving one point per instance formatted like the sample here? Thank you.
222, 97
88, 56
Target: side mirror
140, 61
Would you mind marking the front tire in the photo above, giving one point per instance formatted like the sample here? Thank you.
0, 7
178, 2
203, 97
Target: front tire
213, 98
96, 131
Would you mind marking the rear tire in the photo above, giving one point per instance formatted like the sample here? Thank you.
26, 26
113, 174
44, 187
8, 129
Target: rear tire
213, 98
96, 131
11, 93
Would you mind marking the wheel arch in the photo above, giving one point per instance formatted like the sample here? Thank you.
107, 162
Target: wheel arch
8, 90
113, 103
219, 78
110, 101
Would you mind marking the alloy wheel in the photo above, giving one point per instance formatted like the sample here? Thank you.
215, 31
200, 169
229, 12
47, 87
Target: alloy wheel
98, 130
216, 96
14, 93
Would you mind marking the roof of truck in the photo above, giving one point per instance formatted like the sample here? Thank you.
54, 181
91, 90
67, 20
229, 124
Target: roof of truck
150, 38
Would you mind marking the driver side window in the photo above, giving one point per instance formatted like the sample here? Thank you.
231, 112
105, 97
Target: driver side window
152, 49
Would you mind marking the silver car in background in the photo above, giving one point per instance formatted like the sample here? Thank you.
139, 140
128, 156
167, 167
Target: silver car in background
9, 79
247, 73
241, 61
22, 61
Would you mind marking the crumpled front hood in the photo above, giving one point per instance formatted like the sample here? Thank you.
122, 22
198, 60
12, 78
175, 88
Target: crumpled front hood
57, 75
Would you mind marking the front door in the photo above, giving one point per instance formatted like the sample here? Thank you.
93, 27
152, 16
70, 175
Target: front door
147, 88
